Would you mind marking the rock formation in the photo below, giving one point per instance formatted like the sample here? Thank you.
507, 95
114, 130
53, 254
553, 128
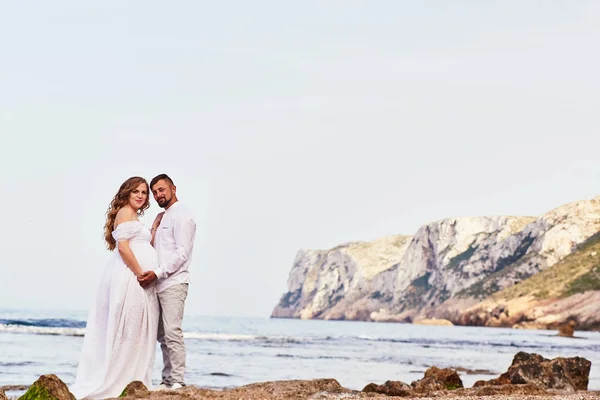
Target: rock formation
446, 268
438, 379
48, 387
135, 389
529, 374
567, 329
390, 388
567, 374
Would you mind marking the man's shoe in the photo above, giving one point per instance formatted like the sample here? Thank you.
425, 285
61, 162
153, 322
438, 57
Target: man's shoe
176, 386
162, 386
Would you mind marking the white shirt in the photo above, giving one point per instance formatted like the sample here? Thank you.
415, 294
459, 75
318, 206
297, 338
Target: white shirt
174, 242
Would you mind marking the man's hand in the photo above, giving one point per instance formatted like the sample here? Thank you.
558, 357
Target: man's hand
146, 279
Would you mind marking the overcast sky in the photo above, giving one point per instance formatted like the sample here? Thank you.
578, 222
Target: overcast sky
284, 125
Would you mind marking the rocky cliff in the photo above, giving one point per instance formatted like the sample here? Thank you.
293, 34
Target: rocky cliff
568, 291
446, 268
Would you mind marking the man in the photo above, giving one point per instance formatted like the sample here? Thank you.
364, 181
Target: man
173, 234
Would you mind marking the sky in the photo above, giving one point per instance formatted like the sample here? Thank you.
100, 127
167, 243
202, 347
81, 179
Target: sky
285, 126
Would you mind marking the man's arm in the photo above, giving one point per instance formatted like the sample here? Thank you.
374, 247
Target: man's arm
184, 230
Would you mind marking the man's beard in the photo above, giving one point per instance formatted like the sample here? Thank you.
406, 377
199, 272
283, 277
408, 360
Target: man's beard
163, 203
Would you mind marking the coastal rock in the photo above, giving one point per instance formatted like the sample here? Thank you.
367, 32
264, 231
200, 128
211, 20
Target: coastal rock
567, 329
568, 374
567, 291
298, 389
438, 379
326, 284
279, 390
14, 387
135, 389
449, 256
541, 244
3, 395
433, 321
330, 389
369, 279
447, 267
384, 315
390, 388
48, 387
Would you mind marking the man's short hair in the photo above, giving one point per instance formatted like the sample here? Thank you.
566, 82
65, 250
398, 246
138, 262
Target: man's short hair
160, 177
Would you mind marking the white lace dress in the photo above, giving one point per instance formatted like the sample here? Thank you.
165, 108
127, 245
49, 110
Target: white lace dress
120, 337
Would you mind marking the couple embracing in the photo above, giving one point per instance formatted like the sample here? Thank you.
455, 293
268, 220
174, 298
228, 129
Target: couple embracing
141, 293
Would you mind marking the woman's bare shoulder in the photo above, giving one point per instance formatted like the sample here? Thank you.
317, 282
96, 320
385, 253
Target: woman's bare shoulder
125, 214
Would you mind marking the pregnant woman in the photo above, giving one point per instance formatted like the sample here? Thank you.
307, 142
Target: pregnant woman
120, 337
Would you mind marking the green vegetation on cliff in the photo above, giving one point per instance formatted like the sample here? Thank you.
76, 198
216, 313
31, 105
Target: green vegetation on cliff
576, 273
589, 281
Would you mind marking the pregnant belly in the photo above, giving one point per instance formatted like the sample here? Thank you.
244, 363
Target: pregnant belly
145, 254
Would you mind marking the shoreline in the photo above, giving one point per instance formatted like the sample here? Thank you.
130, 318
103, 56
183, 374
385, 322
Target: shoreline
442, 322
529, 375
329, 389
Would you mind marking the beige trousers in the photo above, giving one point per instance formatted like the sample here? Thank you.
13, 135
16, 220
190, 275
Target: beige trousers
170, 334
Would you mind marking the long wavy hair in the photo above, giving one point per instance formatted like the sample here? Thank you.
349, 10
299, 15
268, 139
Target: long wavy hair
119, 201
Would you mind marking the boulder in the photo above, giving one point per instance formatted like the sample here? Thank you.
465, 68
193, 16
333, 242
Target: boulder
135, 389
390, 388
279, 390
14, 387
48, 387
567, 329
438, 379
433, 321
567, 374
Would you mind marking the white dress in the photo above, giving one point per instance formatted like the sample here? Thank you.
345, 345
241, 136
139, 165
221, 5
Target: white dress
120, 337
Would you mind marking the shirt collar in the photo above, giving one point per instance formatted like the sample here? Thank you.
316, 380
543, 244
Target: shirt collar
173, 206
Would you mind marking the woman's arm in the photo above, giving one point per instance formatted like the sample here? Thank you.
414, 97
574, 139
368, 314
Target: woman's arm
129, 258
126, 214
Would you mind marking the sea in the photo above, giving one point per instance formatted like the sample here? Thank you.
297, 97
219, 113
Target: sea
226, 352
